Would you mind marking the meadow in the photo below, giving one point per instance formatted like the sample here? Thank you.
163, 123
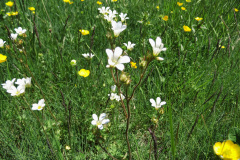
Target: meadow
176, 89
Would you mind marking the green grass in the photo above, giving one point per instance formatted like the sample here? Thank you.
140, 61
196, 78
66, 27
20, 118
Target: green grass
198, 79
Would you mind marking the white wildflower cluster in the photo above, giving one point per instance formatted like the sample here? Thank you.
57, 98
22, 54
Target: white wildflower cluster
19, 32
88, 55
110, 16
114, 96
20, 89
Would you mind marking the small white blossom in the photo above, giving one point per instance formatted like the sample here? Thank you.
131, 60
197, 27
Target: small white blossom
113, 88
2, 43
13, 36
20, 31
8, 84
123, 17
73, 62
26, 82
118, 98
88, 55
16, 91
118, 27
157, 104
115, 59
129, 45
110, 16
99, 122
157, 47
104, 10
112, 96
38, 106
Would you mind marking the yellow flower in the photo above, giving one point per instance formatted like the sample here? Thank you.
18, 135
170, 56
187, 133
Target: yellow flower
82, 0
99, 3
198, 18
235, 9
14, 13
186, 28
70, 2
9, 3
227, 150
171, 12
33, 12
66, 1
183, 8
188, 0
133, 65
67, 148
84, 72
179, 4
31, 8
3, 58
165, 18
84, 32
9, 13
222, 46
114, 0
157, 7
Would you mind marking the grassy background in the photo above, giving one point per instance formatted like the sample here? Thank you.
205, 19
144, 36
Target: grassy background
198, 79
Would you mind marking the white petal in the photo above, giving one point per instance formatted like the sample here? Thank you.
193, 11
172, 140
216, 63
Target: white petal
120, 67
34, 106
158, 100
117, 53
100, 126
109, 53
153, 102
124, 59
158, 42
163, 103
159, 58
95, 117
164, 49
105, 121
102, 116
94, 122
151, 41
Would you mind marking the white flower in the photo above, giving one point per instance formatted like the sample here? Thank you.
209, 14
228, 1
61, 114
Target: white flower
13, 36
118, 98
123, 17
20, 82
129, 45
99, 122
26, 82
157, 104
115, 59
2, 43
88, 56
73, 62
104, 10
38, 106
8, 84
112, 96
20, 31
157, 47
110, 16
117, 28
113, 88
16, 91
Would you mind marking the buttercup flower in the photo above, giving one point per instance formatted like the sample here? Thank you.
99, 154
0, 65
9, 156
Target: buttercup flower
157, 104
183, 8
157, 7
227, 150
13, 36
39, 106
188, 1
235, 9
73, 62
31, 8
99, 3
3, 58
123, 17
84, 72
129, 45
222, 46
88, 56
10, 3
114, 0
117, 28
8, 84
198, 18
20, 31
2, 43
14, 13
99, 122
133, 65
104, 10
115, 59
165, 18
157, 46
186, 29
179, 4
84, 32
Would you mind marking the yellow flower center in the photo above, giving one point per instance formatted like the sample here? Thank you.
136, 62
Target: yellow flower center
98, 123
39, 107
